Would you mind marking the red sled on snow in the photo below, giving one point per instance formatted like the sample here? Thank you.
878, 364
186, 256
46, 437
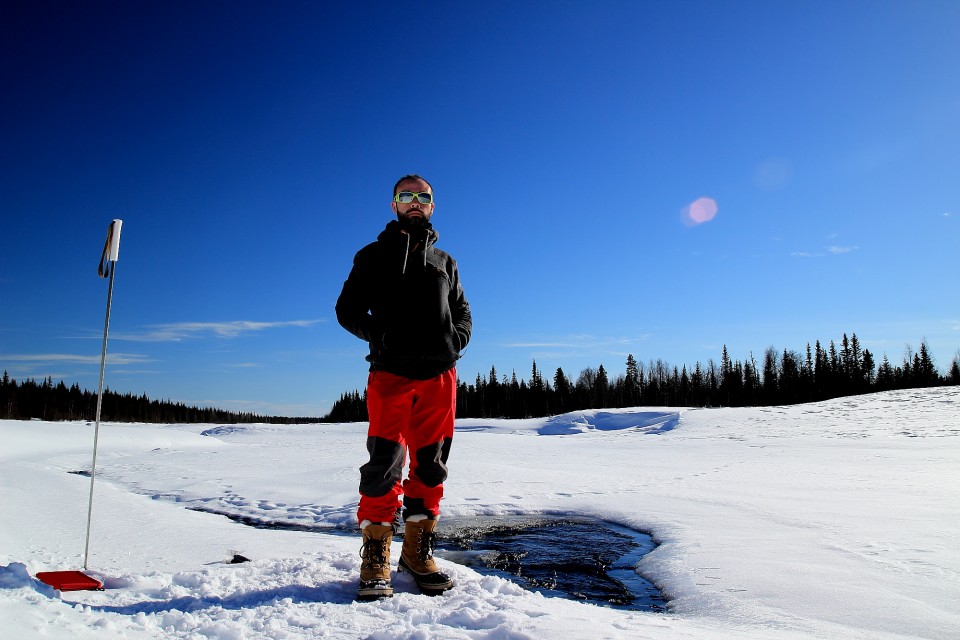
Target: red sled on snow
69, 581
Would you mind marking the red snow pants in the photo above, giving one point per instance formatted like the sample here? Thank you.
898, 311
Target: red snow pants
414, 416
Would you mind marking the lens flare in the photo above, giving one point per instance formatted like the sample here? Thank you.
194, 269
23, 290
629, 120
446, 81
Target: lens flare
699, 211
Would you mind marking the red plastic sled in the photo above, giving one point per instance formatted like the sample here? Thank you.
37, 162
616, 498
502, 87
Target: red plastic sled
70, 581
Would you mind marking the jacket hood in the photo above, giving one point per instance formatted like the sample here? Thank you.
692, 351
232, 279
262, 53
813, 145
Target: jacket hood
411, 239
395, 229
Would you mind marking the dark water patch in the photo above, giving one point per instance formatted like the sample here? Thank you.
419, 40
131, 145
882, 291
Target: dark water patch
571, 557
224, 430
258, 523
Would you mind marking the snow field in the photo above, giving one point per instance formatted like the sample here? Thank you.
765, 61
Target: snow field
833, 520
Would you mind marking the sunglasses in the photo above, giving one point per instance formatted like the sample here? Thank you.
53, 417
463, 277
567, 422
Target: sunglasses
406, 197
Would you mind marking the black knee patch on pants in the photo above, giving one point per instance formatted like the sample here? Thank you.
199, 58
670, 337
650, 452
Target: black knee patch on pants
415, 507
384, 469
431, 462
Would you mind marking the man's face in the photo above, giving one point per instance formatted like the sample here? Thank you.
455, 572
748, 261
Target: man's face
413, 209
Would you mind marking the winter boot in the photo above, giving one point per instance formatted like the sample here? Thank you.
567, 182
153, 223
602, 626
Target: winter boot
419, 541
375, 565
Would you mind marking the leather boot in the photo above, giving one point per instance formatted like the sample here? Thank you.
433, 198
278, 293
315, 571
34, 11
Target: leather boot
375, 565
419, 541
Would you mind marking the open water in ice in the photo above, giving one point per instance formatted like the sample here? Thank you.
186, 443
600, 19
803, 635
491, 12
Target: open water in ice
572, 557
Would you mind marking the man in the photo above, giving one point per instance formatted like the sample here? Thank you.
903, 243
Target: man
403, 297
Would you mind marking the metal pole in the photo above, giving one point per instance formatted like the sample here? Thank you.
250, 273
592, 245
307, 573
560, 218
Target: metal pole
110, 252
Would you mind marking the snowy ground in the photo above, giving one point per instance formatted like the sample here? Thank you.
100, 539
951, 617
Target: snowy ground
836, 520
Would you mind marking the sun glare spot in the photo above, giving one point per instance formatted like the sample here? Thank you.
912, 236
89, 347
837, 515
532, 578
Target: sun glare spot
699, 211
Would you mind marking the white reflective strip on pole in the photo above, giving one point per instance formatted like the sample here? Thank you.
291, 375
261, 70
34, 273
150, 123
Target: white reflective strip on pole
115, 240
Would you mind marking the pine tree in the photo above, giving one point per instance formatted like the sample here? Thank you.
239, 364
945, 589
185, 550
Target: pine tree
807, 376
482, 410
834, 364
771, 377
495, 399
856, 365
906, 372
846, 359
632, 382
697, 390
751, 381
536, 381
868, 368
562, 390
713, 383
516, 407
925, 370
729, 387
685, 398
601, 388
821, 373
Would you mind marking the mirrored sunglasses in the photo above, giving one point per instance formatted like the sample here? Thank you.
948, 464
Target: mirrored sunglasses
406, 197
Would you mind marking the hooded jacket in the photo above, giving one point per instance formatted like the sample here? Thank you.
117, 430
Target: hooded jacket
403, 296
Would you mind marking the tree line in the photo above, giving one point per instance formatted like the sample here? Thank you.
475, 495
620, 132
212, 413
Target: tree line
786, 377
48, 401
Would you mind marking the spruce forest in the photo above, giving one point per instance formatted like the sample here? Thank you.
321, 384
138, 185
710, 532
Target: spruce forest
47, 400
785, 377
781, 378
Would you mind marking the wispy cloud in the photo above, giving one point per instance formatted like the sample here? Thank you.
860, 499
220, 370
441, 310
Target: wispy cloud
832, 250
72, 358
837, 250
180, 331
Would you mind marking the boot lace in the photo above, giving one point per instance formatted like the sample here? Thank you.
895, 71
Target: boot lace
426, 543
373, 552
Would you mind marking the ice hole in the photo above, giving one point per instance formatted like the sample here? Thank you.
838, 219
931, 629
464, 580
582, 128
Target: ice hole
577, 558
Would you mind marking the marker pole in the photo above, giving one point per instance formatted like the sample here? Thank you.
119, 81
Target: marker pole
108, 266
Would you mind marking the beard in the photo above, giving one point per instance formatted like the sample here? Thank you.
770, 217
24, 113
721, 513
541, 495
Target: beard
413, 222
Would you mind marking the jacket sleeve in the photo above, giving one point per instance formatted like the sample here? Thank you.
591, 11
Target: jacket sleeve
353, 305
460, 309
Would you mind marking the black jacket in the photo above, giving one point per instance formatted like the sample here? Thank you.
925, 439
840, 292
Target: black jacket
403, 296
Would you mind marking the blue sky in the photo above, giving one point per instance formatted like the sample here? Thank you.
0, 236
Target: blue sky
654, 178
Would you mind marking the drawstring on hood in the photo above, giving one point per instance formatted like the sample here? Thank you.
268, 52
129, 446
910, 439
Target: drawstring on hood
421, 229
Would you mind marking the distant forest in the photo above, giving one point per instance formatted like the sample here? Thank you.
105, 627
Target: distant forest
784, 377
48, 401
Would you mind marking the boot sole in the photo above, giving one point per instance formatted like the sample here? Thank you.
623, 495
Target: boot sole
377, 592
427, 588
371, 597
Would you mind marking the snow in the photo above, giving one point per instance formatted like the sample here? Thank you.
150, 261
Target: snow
837, 520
